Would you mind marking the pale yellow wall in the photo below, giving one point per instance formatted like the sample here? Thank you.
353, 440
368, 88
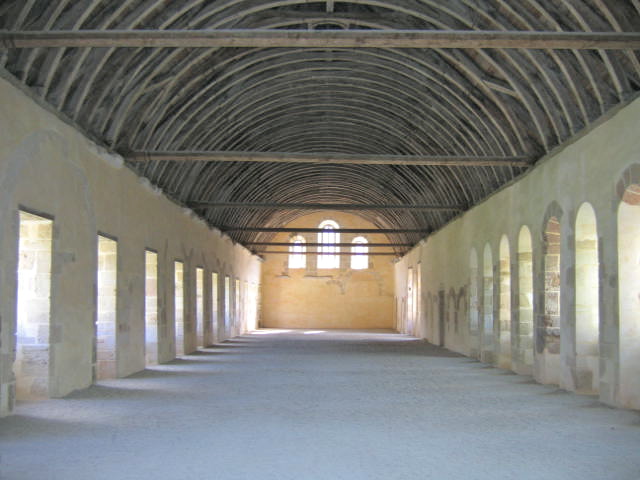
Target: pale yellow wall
585, 170
48, 167
328, 298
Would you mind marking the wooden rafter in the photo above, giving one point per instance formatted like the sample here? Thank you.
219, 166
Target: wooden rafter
508, 101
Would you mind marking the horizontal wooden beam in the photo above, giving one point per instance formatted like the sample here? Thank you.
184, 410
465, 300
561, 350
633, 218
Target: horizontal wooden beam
265, 38
344, 159
322, 206
382, 231
289, 244
283, 252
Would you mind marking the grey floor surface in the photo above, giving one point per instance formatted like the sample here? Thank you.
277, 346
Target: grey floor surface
334, 405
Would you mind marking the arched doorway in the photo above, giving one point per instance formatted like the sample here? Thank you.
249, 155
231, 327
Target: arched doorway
474, 333
548, 326
587, 301
504, 325
524, 328
487, 353
629, 296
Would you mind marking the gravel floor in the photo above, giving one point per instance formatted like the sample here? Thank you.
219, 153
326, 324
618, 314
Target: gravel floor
321, 405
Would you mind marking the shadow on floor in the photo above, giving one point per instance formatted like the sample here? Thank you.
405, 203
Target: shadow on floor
20, 427
106, 392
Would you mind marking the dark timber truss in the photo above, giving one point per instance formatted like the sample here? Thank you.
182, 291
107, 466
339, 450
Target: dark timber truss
309, 244
404, 102
326, 159
255, 38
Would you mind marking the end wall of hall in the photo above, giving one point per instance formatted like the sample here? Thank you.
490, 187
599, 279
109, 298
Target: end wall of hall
341, 298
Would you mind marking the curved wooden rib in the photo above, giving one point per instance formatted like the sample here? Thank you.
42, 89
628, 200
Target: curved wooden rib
383, 101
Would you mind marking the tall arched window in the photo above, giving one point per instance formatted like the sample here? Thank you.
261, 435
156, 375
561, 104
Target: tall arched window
587, 305
327, 257
629, 293
524, 327
297, 253
548, 331
486, 353
504, 322
359, 254
551, 320
474, 305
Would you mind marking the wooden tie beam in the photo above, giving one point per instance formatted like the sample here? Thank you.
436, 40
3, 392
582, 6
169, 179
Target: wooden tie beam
323, 206
289, 244
318, 158
273, 38
284, 252
382, 231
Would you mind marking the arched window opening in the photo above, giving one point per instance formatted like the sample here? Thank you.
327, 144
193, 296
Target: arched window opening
297, 252
359, 254
410, 301
524, 327
32, 361
504, 335
629, 296
548, 335
237, 312
417, 324
328, 257
474, 334
487, 317
587, 301
227, 308
151, 307
200, 307
431, 319
452, 320
442, 318
215, 305
178, 285
106, 308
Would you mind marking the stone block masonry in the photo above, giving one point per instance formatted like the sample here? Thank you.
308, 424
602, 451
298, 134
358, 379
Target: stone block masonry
49, 168
575, 285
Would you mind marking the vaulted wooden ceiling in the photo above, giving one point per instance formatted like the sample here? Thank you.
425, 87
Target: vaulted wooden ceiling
441, 127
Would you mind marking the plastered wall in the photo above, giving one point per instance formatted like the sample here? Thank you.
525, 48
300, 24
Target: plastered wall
328, 298
49, 168
590, 169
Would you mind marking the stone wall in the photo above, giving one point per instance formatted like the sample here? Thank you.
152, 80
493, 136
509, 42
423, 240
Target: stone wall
49, 168
598, 169
313, 297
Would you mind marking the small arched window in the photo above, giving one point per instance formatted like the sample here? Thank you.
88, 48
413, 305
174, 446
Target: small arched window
297, 253
328, 237
359, 254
